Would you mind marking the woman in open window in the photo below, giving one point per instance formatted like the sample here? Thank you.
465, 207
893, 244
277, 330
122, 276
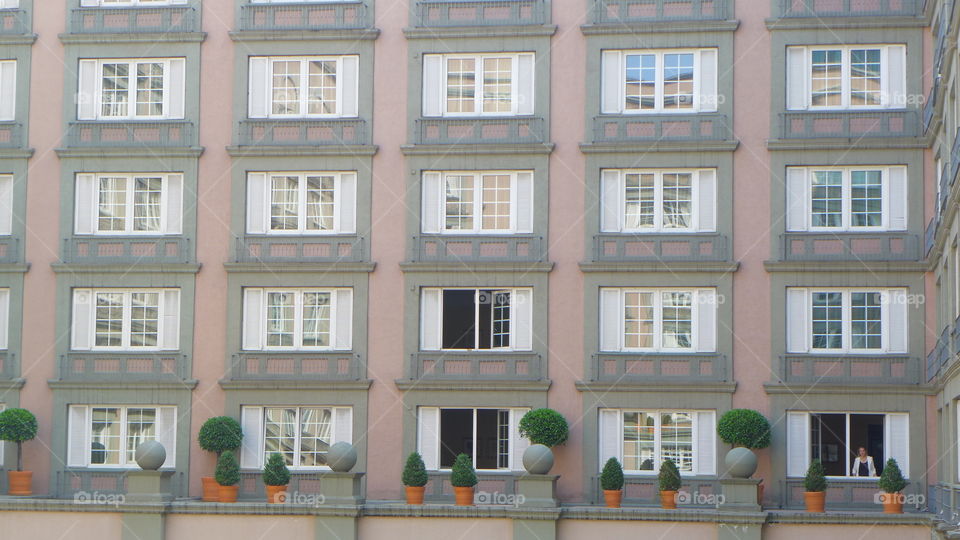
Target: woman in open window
863, 464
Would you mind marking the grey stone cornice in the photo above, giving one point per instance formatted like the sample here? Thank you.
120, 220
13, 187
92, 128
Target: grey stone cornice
475, 149
187, 385
113, 38
13, 383
130, 151
672, 267
654, 386
604, 29
16, 153
473, 385
126, 268
476, 267
361, 34
849, 518
845, 266
865, 143
849, 389
659, 146
14, 268
23, 39
364, 150
845, 23
468, 32
700, 515
295, 384
394, 509
300, 267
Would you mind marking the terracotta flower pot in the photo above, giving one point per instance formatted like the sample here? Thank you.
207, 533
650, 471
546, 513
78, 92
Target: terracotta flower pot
415, 494
464, 495
211, 489
228, 494
20, 482
815, 500
276, 494
612, 497
892, 503
668, 500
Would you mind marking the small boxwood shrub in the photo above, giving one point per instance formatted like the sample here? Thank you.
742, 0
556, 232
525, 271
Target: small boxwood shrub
611, 479
414, 472
815, 480
891, 479
275, 472
228, 471
463, 474
669, 477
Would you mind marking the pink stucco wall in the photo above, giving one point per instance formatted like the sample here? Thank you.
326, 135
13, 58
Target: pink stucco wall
572, 529
72, 525
873, 532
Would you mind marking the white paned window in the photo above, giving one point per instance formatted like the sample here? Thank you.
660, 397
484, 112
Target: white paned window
297, 319
478, 84
490, 436
835, 438
301, 203
127, 3
643, 439
478, 202
665, 320
303, 87
6, 204
659, 81
129, 204
852, 199
126, 319
846, 77
867, 321
654, 200
131, 89
476, 319
301, 434
107, 436
8, 89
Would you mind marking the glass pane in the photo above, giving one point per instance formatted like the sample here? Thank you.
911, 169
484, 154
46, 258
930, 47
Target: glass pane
638, 320
827, 320
676, 439
826, 78
495, 202
641, 82
112, 205
459, 203
677, 200
141, 427
640, 192
827, 199
639, 452
866, 199
109, 319
280, 319
150, 89
105, 441
497, 78
320, 201
500, 319
865, 77
322, 87
115, 88
144, 319
316, 436
316, 319
280, 433
146, 204
677, 320
284, 203
286, 87
678, 81
865, 320
461, 85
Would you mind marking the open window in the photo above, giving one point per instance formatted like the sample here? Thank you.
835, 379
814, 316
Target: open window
835, 438
476, 319
490, 436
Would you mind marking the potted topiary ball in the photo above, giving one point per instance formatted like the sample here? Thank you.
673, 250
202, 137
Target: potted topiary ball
414, 478
892, 483
669, 480
463, 478
217, 435
611, 481
545, 428
19, 426
228, 476
815, 487
746, 430
276, 477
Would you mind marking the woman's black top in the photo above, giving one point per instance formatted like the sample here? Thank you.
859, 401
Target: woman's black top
864, 469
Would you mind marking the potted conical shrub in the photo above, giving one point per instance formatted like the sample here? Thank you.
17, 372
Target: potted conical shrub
217, 435
228, 476
463, 478
669, 480
815, 487
544, 428
414, 478
276, 477
18, 425
611, 481
892, 483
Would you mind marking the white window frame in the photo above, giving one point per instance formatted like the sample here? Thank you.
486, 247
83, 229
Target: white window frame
132, 88
301, 230
847, 200
478, 97
893, 86
163, 431
478, 203
887, 446
658, 438
704, 452
297, 436
701, 300
703, 100
8, 87
304, 86
171, 192
163, 319
703, 201
522, 84
338, 295
515, 443
516, 325
131, 3
847, 320
253, 420
845, 77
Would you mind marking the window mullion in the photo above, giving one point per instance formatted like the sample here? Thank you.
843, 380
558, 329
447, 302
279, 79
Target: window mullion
301, 203
130, 186
846, 200
132, 89
297, 319
125, 325
657, 440
657, 305
846, 340
658, 71
123, 435
845, 98
304, 77
477, 202
846, 443
476, 319
658, 201
474, 439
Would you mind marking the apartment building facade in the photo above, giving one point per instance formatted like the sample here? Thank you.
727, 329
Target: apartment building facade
403, 223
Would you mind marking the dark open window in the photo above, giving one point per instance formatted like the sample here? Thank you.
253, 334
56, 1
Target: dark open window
476, 319
836, 437
483, 434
